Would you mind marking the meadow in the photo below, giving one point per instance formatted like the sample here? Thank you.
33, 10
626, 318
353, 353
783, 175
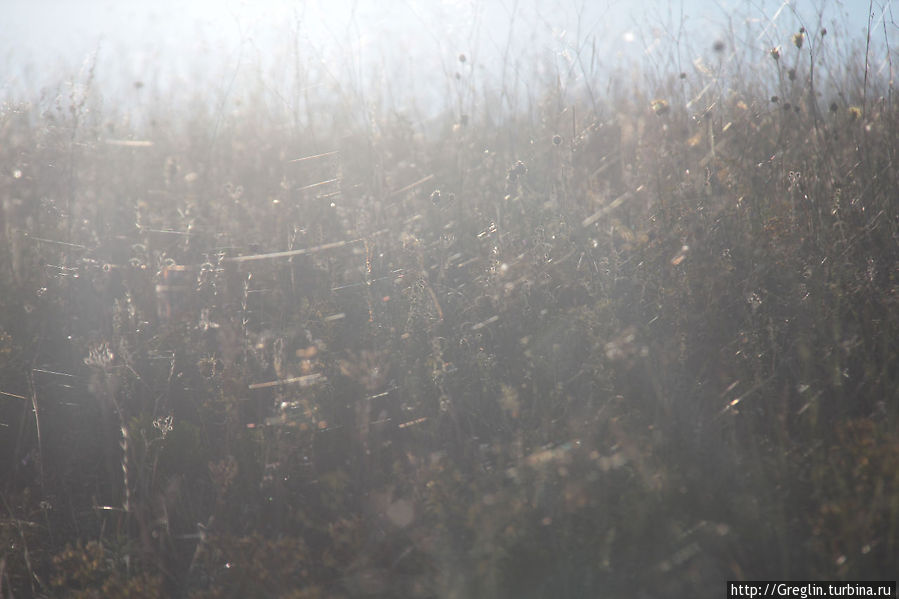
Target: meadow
599, 331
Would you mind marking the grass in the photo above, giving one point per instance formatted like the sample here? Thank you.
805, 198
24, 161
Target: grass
633, 337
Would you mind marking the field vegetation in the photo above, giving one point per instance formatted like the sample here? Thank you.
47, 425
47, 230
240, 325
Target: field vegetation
614, 331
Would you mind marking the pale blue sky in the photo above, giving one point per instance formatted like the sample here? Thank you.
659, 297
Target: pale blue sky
410, 44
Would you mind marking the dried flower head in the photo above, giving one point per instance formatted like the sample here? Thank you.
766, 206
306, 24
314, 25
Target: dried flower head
798, 38
100, 356
718, 46
775, 53
517, 171
164, 424
462, 58
661, 107
557, 140
791, 74
855, 113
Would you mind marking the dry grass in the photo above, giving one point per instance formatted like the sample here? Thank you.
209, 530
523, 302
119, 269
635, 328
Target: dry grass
642, 342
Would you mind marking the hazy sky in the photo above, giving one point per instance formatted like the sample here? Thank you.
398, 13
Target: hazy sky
169, 43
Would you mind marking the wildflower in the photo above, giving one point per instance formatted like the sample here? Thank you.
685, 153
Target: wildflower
792, 74
683, 75
834, 107
718, 46
557, 140
775, 99
775, 53
798, 38
823, 31
855, 113
435, 196
462, 58
660, 107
